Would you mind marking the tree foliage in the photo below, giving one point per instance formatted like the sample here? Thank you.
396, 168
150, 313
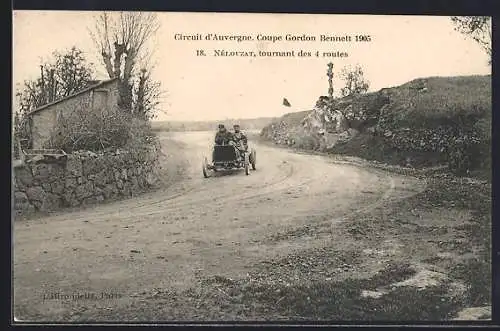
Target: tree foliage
354, 81
148, 94
122, 39
66, 73
476, 27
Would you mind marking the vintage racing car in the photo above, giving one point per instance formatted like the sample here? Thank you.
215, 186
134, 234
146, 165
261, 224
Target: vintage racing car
229, 157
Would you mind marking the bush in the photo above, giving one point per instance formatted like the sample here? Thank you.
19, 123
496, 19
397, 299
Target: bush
16, 153
99, 130
468, 151
362, 111
453, 123
445, 99
306, 142
139, 134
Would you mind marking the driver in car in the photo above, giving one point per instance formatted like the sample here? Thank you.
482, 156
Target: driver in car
240, 139
223, 136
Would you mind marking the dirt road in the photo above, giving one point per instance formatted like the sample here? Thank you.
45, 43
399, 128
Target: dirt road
149, 257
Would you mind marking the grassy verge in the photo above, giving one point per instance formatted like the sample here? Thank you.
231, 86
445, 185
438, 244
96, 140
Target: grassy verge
475, 272
333, 300
323, 284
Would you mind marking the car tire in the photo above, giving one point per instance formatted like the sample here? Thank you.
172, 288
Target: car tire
247, 165
205, 168
253, 159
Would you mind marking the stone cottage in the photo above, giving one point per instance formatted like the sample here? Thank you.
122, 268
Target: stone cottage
100, 95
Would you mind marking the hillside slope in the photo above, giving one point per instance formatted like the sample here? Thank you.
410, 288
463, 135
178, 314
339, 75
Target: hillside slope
427, 121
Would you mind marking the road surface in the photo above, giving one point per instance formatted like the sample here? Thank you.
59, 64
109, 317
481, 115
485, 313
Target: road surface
112, 259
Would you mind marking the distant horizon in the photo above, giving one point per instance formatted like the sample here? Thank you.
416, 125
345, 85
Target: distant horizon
209, 88
302, 110
220, 120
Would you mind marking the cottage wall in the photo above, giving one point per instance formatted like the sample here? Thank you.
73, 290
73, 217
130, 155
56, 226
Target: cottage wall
45, 120
42, 124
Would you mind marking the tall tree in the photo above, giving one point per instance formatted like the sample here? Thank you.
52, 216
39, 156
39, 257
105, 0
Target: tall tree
66, 73
72, 72
148, 94
354, 81
476, 27
122, 40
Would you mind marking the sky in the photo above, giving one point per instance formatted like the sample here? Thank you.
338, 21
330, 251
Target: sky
401, 48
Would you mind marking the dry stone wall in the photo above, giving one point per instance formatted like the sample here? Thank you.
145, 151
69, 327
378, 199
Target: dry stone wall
82, 178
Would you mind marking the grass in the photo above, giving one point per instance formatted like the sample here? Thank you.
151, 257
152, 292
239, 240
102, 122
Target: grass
452, 192
462, 103
477, 275
444, 99
341, 300
297, 287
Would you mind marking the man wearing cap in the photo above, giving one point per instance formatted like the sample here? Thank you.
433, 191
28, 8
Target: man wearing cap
240, 139
223, 136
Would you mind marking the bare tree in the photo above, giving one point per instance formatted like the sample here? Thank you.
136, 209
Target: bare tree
355, 82
148, 94
122, 40
476, 27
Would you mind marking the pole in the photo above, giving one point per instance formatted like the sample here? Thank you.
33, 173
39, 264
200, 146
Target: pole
329, 73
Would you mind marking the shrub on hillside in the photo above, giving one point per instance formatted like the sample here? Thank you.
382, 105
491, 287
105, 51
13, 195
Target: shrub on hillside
468, 152
362, 111
307, 142
464, 145
452, 116
140, 133
443, 99
429, 121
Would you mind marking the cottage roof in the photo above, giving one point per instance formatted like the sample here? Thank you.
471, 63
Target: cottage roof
92, 87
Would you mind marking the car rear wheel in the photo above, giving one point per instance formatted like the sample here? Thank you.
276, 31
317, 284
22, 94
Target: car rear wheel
206, 173
253, 159
247, 165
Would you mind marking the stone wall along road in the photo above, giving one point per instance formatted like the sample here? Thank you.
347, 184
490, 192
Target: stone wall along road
82, 178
